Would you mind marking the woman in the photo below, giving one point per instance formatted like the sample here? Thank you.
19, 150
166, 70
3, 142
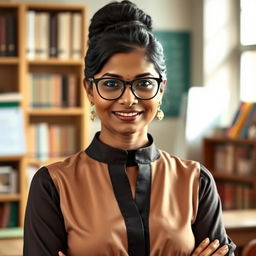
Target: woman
122, 195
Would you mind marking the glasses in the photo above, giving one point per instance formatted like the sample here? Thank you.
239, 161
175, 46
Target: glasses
113, 88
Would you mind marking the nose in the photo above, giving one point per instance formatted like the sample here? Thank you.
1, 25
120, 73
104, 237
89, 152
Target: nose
128, 97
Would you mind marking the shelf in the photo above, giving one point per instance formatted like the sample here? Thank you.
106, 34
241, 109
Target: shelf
221, 139
233, 178
54, 6
11, 158
9, 60
9, 197
56, 112
14, 77
56, 62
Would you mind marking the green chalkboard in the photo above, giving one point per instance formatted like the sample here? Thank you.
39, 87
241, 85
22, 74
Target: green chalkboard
177, 52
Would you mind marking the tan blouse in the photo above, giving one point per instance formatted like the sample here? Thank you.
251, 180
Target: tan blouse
114, 202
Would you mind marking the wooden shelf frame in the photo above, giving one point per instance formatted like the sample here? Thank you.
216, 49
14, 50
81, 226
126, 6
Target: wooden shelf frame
20, 66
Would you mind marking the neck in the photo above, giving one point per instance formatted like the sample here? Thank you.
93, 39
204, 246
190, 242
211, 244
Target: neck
125, 141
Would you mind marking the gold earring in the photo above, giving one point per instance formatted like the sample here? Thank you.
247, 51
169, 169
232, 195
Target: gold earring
160, 112
93, 113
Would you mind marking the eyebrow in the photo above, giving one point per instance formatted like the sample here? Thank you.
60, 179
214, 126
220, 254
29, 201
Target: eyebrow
119, 76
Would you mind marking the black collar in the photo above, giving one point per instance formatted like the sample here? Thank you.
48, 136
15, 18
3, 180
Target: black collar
110, 155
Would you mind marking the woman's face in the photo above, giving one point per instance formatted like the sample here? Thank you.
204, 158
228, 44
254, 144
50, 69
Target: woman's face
126, 115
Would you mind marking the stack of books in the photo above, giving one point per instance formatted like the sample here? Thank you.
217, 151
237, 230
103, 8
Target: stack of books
51, 140
52, 90
54, 35
244, 118
8, 214
235, 196
233, 159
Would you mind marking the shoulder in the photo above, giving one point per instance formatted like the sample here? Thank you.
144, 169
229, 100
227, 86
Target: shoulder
67, 165
63, 171
178, 164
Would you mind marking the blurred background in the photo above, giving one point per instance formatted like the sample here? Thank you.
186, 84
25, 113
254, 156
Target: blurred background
209, 105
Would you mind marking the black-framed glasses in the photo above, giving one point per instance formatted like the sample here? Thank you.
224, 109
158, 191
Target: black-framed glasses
144, 88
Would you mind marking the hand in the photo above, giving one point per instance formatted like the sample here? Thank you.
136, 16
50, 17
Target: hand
61, 254
206, 248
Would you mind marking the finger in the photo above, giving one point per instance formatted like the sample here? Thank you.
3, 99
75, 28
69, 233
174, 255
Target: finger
212, 247
202, 246
61, 254
223, 250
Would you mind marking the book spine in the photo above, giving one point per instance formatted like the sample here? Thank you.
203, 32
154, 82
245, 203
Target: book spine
53, 35
76, 51
44, 35
64, 88
30, 19
250, 119
235, 131
72, 90
11, 35
64, 35
3, 35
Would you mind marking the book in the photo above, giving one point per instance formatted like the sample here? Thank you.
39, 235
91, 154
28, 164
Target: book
72, 90
10, 97
53, 35
41, 35
30, 25
13, 215
76, 48
65, 91
5, 214
2, 35
11, 36
250, 119
64, 35
237, 113
42, 143
241, 119
43, 47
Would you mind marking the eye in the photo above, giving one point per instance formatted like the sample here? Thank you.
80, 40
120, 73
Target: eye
110, 83
145, 83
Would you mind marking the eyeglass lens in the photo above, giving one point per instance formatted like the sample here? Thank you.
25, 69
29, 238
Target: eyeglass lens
110, 88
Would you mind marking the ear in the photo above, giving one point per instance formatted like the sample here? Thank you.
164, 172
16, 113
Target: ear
163, 86
88, 90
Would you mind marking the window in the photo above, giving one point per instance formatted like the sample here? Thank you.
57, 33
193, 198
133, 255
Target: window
248, 50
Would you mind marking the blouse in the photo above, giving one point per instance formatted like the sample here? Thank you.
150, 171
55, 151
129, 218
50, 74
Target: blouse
108, 201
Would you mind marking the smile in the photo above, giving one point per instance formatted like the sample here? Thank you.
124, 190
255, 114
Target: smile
129, 114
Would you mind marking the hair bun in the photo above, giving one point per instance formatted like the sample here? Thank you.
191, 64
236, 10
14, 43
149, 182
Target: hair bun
118, 14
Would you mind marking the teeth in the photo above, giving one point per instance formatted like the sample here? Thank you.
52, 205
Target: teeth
127, 114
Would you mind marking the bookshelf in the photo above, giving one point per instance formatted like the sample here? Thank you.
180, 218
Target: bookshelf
57, 59
233, 165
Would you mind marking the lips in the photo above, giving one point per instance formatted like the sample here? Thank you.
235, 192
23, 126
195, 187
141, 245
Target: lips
127, 115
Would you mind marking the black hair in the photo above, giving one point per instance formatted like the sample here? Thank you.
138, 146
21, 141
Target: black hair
121, 27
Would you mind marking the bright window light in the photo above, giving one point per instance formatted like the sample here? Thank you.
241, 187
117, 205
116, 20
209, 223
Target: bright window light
248, 76
248, 22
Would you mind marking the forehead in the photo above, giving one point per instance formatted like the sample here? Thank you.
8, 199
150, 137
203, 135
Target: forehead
128, 65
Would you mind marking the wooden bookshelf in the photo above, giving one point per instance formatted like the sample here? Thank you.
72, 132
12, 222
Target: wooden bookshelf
14, 77
233, 165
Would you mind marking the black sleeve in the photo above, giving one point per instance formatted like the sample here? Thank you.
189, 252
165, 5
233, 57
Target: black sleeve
208, 222
44, 230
